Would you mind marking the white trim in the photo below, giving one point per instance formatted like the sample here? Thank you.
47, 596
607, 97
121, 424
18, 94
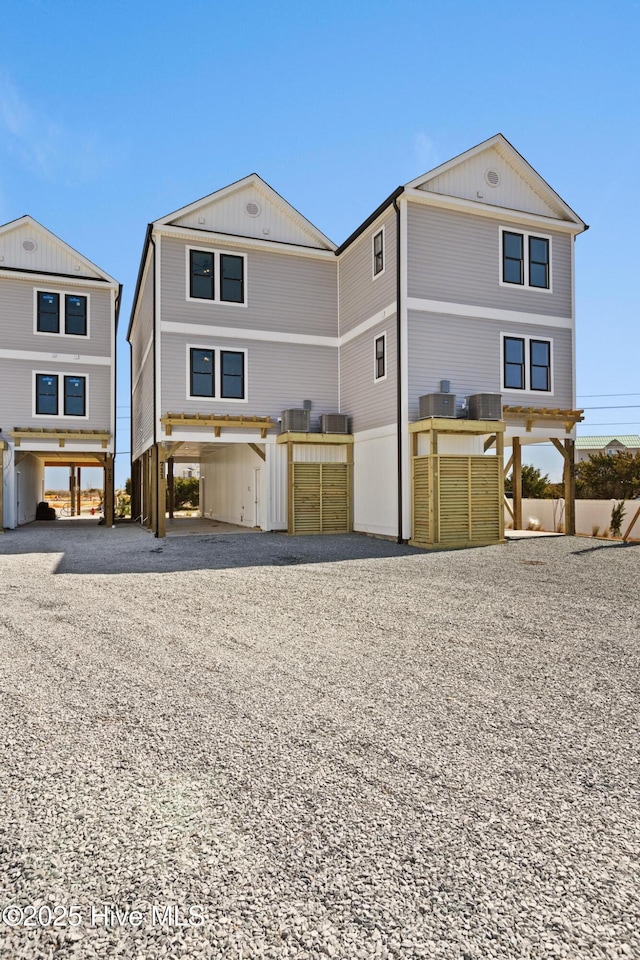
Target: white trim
42, 357
217, 285
573, 335
217, 374
526, 236
157, 300
60, 374
112, 378
487, 313
527, 366
143, 282
385, 356
277, 336
62, 313
47, 278
255, 243
481, 209
374, 275
142, 363
407, 506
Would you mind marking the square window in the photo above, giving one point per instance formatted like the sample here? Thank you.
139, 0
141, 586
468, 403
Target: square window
48, 313
46, 394
201, 284
232, 374
231, 278
202, 373
75, 315
74, 397
378, 253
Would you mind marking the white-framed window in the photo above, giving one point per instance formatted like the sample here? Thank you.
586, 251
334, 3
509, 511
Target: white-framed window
526, 363
525, 259
380, 357
60, 395
217, 373
216, 276
378, 253
60, 313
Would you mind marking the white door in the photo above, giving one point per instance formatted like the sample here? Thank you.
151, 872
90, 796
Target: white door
256, 497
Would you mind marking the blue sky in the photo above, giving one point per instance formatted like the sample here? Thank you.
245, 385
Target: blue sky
113, 114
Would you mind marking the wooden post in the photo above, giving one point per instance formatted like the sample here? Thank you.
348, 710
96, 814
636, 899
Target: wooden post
350, 469
161, 496
72, 488
79, 491
517, 484
153, 487
148, 496
108, 490
171, 487
570, 488
135, 489
290, 521
500, 459
626, 536
1, 486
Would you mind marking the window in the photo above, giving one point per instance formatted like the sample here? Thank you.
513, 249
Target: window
232, 374
216, 374
48, 313
526, 364
46, 395
380, 358
74, 397
203, 266
525, 260
378, 253
203, 381
60, 395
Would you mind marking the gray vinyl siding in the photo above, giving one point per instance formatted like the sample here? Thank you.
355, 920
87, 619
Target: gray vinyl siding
466, 351
278, 376
361, 296
142, 409
143, 328
455, 257
17, 395
284, 292
367, 403
17, 319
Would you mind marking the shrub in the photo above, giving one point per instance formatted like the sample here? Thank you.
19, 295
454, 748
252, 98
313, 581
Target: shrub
617, 516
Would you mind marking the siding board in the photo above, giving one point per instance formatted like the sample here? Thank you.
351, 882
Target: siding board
361, 296
368, 403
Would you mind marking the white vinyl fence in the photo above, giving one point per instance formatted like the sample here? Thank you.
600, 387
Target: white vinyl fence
549, 515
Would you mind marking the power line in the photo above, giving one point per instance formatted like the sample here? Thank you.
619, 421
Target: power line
619, 406
593, 396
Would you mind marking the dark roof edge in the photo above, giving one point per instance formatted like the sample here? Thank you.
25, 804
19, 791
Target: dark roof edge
367, 223
143, 260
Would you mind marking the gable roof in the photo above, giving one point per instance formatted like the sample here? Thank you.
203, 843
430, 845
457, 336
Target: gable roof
597, 443
274, 214
439, 179
54, 257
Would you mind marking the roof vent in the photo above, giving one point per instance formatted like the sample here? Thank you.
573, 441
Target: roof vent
29, 245
252, 208
492, 177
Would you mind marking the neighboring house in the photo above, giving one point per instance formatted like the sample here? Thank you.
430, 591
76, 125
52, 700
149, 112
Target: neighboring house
627, 443
58, 315
459, 284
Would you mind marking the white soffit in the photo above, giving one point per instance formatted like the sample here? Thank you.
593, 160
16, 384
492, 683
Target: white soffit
26, 245
249, 208
494, 173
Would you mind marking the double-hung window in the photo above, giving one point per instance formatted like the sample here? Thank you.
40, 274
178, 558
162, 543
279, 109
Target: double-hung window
526, 364
217, 374
216, 276
525, 260
62, 313
60, 395
378, 253
380, 358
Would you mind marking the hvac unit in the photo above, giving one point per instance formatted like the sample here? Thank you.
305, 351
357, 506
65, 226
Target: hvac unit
295, 421
334, 423
485, 406
437, 405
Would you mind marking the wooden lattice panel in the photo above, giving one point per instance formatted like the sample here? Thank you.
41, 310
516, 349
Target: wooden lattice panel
320, 497
422, 507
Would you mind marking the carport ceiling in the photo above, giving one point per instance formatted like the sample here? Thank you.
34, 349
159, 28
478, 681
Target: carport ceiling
193, 452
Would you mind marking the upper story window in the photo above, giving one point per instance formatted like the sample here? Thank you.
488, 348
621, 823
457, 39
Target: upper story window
216, 276
64, 314
526, 364
217, 374
60, 395
525, 260
378, 253
380, 358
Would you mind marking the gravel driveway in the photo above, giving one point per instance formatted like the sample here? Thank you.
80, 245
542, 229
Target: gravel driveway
397, 754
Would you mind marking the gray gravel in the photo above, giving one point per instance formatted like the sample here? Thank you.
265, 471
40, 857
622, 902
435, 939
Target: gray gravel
396, 754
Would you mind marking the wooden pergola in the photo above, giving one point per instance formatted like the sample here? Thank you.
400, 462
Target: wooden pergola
217, 422
547, 416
